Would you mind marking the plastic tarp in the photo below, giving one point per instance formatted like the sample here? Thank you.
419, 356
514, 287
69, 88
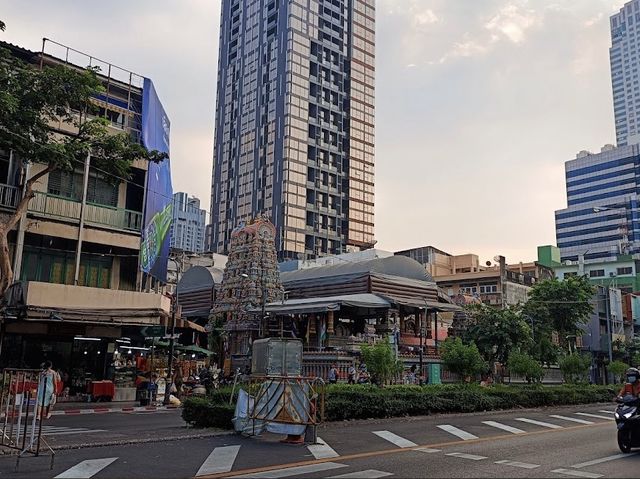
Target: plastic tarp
283, 407
241, 421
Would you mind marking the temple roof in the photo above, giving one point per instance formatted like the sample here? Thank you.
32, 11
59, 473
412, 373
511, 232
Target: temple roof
400, 266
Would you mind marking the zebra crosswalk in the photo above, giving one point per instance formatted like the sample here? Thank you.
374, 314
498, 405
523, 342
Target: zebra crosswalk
224, 458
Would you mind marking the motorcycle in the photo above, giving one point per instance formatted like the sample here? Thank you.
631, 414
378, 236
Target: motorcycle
627, 418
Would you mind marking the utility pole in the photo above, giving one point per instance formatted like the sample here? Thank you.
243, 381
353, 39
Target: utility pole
609, 335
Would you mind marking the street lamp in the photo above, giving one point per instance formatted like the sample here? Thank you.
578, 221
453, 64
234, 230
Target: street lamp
179, 260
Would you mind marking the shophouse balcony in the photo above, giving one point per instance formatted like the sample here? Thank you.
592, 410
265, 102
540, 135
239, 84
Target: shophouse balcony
9, 196
63, 302
99, 215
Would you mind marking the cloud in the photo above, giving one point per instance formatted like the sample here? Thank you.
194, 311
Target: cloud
593, 20
512, 22
425, 17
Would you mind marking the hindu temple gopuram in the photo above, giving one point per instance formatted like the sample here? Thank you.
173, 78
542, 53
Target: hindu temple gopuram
251, 280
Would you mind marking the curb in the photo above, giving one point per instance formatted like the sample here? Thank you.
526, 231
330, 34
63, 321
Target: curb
149, 440
106, 410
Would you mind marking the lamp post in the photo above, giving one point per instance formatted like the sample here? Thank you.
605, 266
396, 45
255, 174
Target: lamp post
421, 346
179, 261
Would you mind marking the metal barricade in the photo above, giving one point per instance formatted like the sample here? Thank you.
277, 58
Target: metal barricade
286, 400
22, 411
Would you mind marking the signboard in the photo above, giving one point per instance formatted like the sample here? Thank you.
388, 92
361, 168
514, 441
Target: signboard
152, 331
154, 249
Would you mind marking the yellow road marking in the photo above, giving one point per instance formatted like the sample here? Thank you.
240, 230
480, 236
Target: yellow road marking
383, 452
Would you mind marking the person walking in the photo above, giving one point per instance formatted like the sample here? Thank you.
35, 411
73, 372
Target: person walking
333, 374
46, 390
352, 374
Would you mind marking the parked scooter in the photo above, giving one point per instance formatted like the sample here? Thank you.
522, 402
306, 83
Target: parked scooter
627, 417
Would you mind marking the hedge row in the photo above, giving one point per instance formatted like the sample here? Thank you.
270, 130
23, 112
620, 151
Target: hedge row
345, 402
370, 402
202, 412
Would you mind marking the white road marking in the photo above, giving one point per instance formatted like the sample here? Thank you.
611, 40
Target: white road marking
569, 472
294, 471
573, 419
86, 469
601, 460
523, 465
428, 450
504, 427
595, 415
539, 423
221, 459
368, 474
395, 439
464, 435
462, 455
606, 412
322, 450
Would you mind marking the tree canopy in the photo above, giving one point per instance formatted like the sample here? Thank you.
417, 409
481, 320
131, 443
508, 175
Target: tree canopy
560, 306
33, 99
462, 359
381, 361
497, 332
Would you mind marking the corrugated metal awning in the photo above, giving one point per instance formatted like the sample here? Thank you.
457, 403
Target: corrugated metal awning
330, 303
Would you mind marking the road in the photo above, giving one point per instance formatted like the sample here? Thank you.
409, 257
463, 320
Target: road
564, 442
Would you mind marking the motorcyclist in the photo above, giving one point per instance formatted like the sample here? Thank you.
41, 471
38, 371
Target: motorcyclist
632, 385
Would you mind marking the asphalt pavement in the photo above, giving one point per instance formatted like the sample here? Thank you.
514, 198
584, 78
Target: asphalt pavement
576, 441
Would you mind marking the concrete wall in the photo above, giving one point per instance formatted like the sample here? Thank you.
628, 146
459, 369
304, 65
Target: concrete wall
51, 295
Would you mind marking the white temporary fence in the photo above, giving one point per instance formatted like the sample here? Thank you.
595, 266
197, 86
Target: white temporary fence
24, 405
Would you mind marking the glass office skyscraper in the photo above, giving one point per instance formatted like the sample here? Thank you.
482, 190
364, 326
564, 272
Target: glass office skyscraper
294, 128
602, 218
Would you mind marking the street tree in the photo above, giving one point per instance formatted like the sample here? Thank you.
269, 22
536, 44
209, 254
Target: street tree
462, 359
574, 367
31, 99
381, 361
526, 366
497, 332
618, 370
559, 306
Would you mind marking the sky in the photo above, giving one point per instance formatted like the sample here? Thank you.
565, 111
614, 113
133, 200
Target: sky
478, 104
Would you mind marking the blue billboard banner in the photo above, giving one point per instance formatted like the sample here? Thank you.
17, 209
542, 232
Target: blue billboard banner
154, 249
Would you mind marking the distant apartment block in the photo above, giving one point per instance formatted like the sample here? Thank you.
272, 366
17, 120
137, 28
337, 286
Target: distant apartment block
189, 223
602, 218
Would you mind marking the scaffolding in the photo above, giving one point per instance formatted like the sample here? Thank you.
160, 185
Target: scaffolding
121, 101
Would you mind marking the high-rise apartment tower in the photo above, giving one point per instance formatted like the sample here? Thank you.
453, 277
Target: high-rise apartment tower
294, 129
624, 56
188, 225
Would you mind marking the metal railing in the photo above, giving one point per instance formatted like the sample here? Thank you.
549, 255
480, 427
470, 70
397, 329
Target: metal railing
9, 196
67, 208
